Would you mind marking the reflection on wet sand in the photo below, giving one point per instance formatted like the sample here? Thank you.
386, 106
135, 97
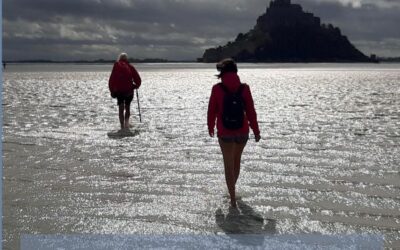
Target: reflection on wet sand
327, 164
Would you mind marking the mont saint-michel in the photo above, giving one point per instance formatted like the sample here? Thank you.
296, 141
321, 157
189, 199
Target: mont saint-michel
286, 33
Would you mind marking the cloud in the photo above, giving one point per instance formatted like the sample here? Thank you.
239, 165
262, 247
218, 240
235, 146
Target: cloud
382, 47
361, 3
173, 29
367, 26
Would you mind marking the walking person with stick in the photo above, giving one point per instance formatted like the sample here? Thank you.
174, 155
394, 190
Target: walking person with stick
124, 79
231, 105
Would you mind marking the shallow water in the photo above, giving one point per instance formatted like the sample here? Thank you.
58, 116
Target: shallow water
328, 162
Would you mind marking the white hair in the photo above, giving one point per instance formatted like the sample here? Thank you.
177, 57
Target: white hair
123, 56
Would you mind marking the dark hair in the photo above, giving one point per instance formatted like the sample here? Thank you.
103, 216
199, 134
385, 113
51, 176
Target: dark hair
225, 66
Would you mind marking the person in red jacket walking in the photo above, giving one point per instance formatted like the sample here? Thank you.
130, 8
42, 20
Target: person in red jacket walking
123, 81
231, 140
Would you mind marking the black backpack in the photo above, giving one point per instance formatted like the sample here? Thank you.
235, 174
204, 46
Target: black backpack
233, 108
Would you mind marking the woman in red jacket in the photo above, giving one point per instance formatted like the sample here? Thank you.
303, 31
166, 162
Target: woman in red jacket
231, 140
123, 80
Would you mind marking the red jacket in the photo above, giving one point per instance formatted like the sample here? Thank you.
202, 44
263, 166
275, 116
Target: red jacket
122, 77
232, 82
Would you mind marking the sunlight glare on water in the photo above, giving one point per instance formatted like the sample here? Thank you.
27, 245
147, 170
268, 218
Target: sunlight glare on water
328, 161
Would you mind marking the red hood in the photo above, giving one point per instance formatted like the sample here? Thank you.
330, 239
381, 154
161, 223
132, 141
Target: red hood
231, 80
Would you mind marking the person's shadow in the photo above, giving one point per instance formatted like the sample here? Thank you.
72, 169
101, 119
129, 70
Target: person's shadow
245, 225
122, 133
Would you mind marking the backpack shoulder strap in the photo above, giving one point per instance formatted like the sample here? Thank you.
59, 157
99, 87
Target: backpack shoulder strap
240, 90
223, 87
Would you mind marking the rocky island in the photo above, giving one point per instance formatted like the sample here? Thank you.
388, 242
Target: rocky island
285, 33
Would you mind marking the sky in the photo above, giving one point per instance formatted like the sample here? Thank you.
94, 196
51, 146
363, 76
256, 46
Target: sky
173, 29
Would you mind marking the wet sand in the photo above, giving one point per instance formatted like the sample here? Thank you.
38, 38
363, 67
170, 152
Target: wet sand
328, 162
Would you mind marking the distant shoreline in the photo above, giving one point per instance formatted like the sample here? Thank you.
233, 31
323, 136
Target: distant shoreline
158, 60
98, 61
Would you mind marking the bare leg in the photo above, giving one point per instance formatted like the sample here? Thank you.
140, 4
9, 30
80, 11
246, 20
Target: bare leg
237, 157
228, 155
121, 114
127, 115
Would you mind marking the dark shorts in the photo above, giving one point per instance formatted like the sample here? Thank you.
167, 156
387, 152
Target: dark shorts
124, 99
240, 139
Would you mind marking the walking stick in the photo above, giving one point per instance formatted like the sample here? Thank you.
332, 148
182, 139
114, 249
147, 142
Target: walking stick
137, 97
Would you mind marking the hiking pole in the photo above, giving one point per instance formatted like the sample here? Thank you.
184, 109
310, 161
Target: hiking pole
137, 97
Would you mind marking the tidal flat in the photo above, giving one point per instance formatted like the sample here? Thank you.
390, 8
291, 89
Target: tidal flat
328, 162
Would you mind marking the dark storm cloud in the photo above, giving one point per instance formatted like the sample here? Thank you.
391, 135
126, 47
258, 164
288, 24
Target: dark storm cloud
133, 10
368, 21
371, 25
159, 22
174, 29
